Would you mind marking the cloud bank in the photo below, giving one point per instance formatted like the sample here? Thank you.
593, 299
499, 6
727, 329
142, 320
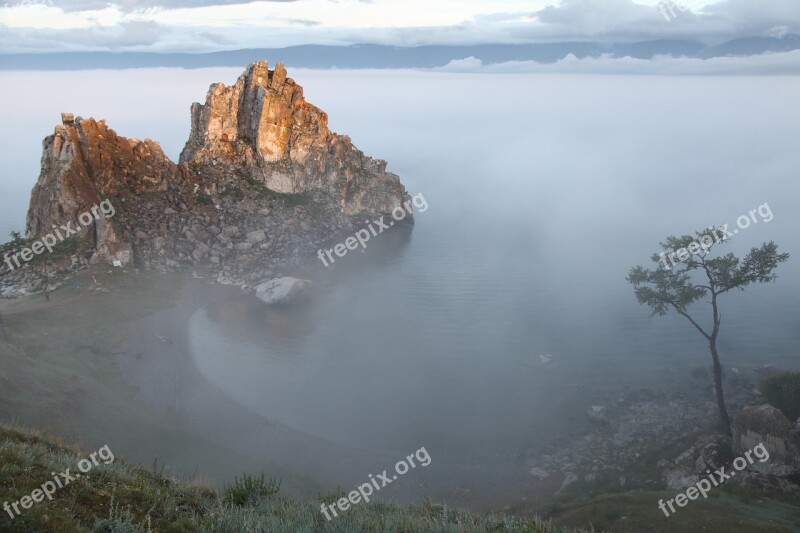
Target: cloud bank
787, 63
211, 25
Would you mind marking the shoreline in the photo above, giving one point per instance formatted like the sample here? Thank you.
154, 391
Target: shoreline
308, 462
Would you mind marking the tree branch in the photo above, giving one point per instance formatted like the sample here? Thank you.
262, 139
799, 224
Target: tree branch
695, 324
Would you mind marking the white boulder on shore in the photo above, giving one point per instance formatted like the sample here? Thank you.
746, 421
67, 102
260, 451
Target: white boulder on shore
281, 290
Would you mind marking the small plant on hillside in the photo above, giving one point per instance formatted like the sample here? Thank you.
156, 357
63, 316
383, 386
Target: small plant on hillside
250, 489
120, 522
783, 392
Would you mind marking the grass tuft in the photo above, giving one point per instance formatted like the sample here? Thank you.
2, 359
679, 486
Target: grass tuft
250, 489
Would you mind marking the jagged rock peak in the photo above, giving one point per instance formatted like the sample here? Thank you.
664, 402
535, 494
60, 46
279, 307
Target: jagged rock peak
257, 111
84, 162
263, 124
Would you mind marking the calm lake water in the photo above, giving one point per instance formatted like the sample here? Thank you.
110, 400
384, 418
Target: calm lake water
543, 190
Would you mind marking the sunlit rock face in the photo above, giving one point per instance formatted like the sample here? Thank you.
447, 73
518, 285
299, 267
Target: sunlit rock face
84, 162
262, 124
262, 182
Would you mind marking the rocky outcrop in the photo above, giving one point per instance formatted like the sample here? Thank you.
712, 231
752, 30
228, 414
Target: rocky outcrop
629, 436
262, 183
263, 125
631, 426
707, 454
85, 162
763, 439
766, 425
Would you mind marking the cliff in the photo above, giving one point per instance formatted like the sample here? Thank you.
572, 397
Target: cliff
84, 162
261, 182
263, 125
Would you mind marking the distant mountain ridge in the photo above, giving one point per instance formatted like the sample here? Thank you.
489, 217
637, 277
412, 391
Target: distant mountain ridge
382, 56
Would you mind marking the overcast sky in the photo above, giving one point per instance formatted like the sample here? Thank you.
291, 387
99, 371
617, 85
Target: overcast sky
209, 25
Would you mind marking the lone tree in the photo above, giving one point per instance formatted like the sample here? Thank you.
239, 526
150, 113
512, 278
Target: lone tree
695, 276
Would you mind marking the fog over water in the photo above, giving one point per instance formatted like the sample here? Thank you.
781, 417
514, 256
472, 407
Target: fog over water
542, 191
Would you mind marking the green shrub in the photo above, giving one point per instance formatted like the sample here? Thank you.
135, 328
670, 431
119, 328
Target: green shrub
233, 193
783, 391
250, 489
61, 250
204, 200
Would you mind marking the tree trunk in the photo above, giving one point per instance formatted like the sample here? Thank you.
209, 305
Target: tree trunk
723, 412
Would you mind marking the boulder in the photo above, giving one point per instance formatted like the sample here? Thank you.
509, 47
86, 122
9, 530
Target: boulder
709, 453
255, 237
766, 425
281, 290
230, 231
200, 251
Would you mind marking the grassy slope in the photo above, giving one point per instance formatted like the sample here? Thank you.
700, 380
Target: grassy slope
724, 511
118, 497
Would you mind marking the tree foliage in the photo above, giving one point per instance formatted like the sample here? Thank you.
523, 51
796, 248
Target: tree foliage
678, 288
